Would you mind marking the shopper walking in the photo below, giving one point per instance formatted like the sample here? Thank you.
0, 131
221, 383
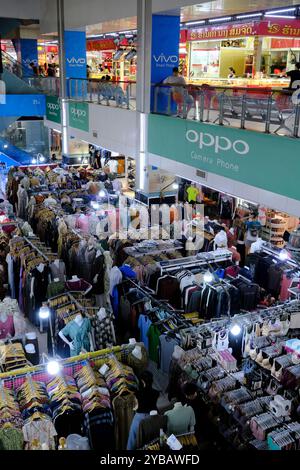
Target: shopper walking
147, 398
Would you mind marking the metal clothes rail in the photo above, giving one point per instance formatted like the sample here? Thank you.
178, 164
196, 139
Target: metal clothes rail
97, 358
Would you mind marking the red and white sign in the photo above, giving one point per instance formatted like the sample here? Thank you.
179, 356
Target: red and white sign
101, 45
276, 27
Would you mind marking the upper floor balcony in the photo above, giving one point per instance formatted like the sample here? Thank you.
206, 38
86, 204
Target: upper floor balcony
258, 109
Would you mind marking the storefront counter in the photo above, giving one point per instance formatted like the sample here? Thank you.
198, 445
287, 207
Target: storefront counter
98, 75
267, 83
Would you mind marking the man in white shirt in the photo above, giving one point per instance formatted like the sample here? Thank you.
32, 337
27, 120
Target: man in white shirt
180, 94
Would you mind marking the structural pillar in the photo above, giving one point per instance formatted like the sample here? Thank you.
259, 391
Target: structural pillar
258, 41
143, 91
62, 75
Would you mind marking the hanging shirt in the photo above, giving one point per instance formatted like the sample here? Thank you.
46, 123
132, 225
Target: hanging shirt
115, 277
153, 336
144, 324
43, 430
192, 193
79, 334
7, 327
167, 345
113, 166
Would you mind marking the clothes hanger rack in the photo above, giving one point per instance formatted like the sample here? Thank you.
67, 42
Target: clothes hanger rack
38, 373
37, 250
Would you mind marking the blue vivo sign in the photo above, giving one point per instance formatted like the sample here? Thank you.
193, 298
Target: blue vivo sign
165, 46
75, 46
23, 105
29, 54
165, 52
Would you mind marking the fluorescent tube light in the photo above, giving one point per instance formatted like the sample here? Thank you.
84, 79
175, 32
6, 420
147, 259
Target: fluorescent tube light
283, 10
252, 15
216, 20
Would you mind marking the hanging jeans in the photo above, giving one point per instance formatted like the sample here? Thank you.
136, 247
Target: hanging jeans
134, 429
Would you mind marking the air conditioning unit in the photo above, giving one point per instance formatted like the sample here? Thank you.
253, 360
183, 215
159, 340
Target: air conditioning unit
201, 174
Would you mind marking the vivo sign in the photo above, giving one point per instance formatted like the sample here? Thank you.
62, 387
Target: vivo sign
163, 59
74, 62
219, 143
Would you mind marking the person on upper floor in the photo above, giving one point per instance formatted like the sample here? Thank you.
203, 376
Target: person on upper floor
231, 73
179, 93
294, 75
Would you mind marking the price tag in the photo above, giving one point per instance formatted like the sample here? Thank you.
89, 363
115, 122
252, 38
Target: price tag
174, 443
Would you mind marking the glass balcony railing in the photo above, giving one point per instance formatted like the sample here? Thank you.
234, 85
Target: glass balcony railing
257, 109
109, 93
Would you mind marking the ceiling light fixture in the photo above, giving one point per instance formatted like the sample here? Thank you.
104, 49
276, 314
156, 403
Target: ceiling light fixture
216, 20
281, 16
283, 10
193, 23
252, 15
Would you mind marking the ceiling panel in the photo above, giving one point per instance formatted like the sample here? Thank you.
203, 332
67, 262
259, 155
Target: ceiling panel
112, 26
210, 9
230, 7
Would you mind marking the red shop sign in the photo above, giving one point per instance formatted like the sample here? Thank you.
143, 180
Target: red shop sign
101, 45
225, 31
288, 43
279, 27
183, 35
53, 49
273, 27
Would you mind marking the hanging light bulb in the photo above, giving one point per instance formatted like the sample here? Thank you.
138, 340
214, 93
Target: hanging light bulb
102, 193
44, 312
283, 255
208, 277
95, 205
235, 330
53, 367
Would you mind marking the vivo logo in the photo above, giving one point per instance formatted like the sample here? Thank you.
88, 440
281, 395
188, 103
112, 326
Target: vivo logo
53, 106
219, 143
163, 59
78, 113
74, 61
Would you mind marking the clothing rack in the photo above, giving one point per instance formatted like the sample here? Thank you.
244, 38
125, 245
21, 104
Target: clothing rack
202, 259
266, 248
8, 378
37, 250
158, 302
270, 312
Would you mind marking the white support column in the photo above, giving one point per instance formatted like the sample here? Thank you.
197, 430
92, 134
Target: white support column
143, 90
62, 76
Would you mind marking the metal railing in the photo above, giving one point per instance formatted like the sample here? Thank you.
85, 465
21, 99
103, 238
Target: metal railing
259, 109
47, 85
109, 93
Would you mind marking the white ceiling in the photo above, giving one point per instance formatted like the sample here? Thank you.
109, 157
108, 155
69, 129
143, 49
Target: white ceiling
217, 8
207, 9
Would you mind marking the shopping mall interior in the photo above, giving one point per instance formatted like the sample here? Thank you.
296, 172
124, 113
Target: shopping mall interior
150, 226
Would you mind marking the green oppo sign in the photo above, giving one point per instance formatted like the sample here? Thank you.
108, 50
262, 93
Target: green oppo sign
53, 109
265, 161
79, 115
